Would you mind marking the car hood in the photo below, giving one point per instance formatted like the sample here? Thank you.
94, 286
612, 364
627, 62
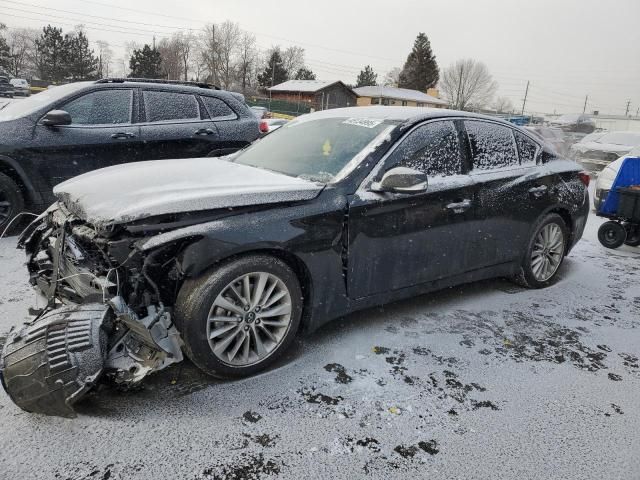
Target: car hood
602, 147
134, 191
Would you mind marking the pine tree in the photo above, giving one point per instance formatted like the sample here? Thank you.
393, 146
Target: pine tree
274, 73
420, 71
145, 63
305, 74
51, 52
367, 77
81, 63
5, 53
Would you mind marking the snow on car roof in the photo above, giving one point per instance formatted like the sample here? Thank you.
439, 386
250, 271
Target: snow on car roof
398, 93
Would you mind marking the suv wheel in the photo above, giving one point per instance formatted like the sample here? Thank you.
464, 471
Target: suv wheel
11, 201
239, 319
545, 253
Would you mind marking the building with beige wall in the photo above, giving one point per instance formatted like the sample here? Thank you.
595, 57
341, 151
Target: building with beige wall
380, 95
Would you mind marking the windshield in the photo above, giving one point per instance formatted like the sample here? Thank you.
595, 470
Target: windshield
35, 102
313, 149
621, 138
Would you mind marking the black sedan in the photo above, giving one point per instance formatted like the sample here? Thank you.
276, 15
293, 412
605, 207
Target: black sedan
228, 260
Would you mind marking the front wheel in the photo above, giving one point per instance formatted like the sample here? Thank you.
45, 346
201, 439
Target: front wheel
11, 201
545, 253
243, 316
612, 234
633, 235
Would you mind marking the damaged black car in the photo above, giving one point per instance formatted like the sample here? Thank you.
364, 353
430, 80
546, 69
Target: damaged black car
226, 260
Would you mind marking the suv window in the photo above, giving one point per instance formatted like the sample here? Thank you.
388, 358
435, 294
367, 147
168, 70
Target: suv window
104, 107
218, 108
527, 149
492, 146
432, 148
163, 106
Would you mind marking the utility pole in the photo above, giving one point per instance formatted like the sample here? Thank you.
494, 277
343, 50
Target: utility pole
584, 109
154, 42
457, 93
524, 101
626, 113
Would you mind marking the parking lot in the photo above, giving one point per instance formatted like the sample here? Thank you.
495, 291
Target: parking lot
484, 381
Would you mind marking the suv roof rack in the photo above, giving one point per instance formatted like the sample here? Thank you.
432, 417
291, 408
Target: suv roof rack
154, 80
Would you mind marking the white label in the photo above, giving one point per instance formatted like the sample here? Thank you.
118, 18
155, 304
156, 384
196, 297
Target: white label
363, 122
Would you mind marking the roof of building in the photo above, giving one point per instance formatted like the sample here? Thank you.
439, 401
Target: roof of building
309, 86
398, 94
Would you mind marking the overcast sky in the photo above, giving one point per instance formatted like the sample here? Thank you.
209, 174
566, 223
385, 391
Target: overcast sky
566, 48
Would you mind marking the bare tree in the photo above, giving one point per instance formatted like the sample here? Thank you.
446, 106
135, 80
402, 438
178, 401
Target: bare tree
129, 48
21, 42
184, 43
105, 56
228, 44
503, 105
210, 52
247, 57
293, 60
392, 77
169, 49
467, 84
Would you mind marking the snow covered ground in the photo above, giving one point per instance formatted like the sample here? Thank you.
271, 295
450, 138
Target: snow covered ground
483, 381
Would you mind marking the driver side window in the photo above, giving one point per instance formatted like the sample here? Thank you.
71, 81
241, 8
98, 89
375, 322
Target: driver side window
104, 107
432, 148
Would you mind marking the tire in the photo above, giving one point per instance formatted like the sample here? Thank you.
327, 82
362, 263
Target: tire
11, 201
633, 235
612, 234
533, 269
200, 299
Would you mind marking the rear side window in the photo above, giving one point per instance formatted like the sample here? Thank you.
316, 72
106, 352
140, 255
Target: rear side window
104, 107
492, 146
432, 148
527, 149
218, 108
164, 106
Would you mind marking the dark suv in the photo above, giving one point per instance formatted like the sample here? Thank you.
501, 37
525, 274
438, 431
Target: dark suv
71, 129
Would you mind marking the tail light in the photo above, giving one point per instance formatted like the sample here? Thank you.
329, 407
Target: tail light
264, 126
584, 178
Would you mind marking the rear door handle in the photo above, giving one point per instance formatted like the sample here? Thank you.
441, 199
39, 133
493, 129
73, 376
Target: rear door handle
537, 192
203, 131
460, 207
121, 135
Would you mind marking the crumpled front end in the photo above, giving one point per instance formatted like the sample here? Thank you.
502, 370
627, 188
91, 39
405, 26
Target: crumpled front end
104, 318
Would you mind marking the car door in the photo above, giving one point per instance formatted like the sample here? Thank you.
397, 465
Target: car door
175, 126
509, 190
101, 134
399, 240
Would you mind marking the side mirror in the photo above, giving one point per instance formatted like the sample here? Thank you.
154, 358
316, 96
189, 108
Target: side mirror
401, 180
55, 118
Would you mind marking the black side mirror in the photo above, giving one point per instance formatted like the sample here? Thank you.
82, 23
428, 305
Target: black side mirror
55, 118
401, 180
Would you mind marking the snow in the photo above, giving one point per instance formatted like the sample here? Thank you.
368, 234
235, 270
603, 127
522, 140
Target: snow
308, 86
493, 145
380, 91
559, 365
137, 190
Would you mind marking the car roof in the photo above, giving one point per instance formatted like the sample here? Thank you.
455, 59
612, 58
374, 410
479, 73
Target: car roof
401, 114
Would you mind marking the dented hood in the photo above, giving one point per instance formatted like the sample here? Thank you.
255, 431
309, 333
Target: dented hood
138, 190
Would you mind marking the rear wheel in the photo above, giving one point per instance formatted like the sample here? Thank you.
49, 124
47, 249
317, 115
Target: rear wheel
11, 201
243, 316
633, 235
612, 234
545, 253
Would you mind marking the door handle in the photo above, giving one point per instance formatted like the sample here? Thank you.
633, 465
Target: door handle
121, 135
203, 131
537, 192
460, 207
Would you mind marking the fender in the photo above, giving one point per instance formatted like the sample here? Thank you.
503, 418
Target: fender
33, 195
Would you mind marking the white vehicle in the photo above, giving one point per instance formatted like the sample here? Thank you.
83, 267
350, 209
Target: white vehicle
597, 151
608, 175
276, 123
21, 86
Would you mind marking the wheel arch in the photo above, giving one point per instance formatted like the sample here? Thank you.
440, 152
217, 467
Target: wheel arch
12, 169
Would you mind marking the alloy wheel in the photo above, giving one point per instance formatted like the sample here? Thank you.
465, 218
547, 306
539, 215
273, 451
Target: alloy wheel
547, 253
249, 319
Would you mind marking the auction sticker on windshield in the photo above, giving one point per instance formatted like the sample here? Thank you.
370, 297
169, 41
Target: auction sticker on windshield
363, 122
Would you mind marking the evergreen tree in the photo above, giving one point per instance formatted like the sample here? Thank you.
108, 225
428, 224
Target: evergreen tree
51, 52
274, 73
305, 74
420, 71
81, 63
367, 77
145, 63
5, 53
